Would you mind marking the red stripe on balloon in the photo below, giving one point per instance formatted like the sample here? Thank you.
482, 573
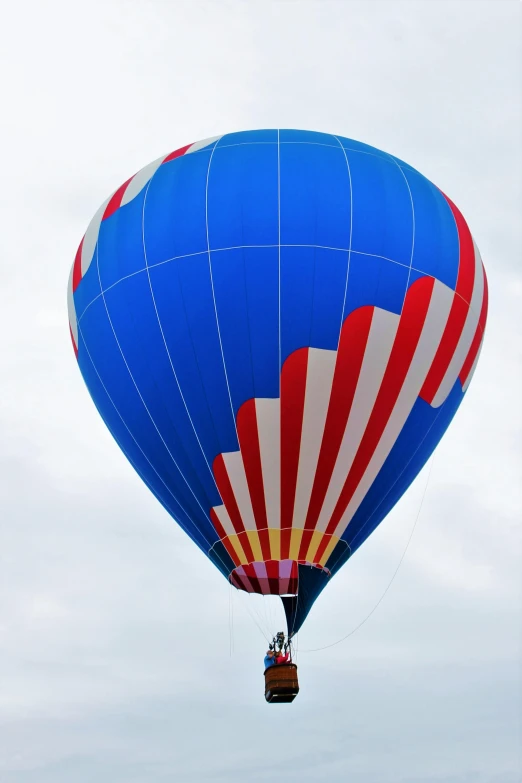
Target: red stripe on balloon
286, 535
227, 495
272, 570
293, 387
254, 581
352, 346
322, 547
306, 540
223, 537
115, 201
459, 309
264, 540
247, 431
177, 153
466, 275
220, 530
77, 267
408, 333
477, 339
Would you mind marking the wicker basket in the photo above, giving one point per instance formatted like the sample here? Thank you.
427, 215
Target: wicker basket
281, 683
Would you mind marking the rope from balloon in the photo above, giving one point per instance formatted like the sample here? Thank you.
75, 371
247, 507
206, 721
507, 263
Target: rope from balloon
381, 599
247, 607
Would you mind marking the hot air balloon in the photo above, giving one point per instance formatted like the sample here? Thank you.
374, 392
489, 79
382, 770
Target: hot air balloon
277, 327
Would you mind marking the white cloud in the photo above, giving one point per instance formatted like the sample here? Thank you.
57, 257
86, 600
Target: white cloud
114, 630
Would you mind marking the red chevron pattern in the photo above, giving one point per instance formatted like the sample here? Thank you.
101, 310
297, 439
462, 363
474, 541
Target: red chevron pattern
339, 414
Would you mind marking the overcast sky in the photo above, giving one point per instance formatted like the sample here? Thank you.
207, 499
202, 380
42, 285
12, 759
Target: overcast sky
116, 665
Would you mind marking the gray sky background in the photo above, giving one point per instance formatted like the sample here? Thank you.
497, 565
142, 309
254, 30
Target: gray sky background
100, 592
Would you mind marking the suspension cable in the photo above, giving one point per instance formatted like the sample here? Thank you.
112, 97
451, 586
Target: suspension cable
381, 599
247, 607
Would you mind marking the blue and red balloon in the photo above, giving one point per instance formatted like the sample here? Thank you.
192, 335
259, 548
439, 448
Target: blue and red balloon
277, 327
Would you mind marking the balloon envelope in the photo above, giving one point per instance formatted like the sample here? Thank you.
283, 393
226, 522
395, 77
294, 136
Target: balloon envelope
277, 328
